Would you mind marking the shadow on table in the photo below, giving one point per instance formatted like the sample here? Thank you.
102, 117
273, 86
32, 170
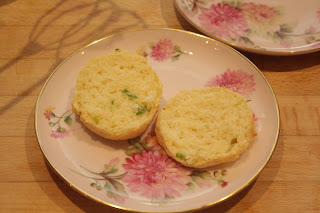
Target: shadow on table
4, 2
75, 33
284, 63
33, 47
168, 8
85, 204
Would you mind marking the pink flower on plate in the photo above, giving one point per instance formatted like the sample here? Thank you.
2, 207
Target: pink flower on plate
223, 21
60, 133
48, 112
236, 80
261, 19
162, 50
155, 176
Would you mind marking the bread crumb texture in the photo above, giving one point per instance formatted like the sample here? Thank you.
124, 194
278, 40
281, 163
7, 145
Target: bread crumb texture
205, 127
117, 95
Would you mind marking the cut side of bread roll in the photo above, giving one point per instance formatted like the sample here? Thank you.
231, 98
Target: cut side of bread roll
117, 95
205, 127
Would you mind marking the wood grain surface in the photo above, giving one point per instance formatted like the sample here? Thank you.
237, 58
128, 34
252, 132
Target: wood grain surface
37, 35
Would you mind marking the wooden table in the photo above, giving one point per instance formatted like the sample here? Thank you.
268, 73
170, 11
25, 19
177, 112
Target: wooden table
37, 35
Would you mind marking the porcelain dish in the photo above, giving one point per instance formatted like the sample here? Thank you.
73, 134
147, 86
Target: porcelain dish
282, 27
136, 174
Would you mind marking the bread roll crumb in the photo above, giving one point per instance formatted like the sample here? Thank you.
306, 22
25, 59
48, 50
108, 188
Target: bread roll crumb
205, 127
117, 95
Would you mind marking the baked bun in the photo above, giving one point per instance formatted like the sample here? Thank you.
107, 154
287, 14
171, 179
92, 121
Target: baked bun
117, 95
205, 127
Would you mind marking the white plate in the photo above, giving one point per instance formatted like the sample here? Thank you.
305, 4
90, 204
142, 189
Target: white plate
109, 172
276, 27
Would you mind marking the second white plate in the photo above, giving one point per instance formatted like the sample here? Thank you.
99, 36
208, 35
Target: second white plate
282, 27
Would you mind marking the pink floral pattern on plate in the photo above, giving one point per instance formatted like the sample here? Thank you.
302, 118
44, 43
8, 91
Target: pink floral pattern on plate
243, 22
224, 21
152, 174
161, 51
155, 175
55, 122
60, 133
236, 80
